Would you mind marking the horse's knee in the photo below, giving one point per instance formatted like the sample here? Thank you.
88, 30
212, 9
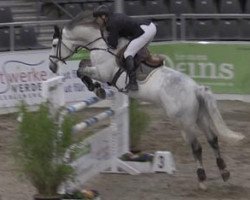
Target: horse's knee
82, 66
79, 73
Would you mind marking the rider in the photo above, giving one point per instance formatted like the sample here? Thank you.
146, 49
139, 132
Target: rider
139, 32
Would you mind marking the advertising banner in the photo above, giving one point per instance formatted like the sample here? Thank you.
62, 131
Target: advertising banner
22, 73
225, 67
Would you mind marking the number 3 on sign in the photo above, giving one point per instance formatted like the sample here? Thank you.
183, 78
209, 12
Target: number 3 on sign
161, 163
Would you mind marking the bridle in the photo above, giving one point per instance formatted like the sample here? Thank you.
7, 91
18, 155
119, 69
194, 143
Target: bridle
59, 57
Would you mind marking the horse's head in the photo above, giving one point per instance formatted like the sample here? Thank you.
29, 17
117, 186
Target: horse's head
62, 49
81, 32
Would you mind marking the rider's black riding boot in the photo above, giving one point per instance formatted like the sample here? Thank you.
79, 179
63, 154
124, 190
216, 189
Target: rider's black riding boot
130, 67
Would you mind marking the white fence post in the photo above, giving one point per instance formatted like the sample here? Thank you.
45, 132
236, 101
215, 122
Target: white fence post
53, 92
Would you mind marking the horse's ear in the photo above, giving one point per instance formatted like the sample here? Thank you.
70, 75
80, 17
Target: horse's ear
56, 32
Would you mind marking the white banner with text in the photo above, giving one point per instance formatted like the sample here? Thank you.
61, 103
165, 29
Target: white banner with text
22, 73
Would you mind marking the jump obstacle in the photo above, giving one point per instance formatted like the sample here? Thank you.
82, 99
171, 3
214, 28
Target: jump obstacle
101, 151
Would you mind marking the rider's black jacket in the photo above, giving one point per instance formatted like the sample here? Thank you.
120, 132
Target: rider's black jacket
120, 25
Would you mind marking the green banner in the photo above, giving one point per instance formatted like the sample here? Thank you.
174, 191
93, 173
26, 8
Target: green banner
224, 67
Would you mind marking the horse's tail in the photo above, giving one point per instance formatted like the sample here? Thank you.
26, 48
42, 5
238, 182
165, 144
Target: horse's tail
208, 102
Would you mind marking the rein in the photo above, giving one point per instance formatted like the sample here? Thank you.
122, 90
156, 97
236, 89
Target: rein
58, 55
97, 48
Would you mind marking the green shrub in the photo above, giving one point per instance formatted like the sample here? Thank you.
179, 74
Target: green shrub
139, 122
40, 149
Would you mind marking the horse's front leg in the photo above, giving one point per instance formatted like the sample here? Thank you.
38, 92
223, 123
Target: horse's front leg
84, 73
87, 82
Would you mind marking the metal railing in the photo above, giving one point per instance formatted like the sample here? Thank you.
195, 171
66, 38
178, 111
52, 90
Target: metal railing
172, 17
185, 17
13, 25
57, 3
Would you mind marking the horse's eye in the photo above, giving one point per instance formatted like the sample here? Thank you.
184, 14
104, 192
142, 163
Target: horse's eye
54, 45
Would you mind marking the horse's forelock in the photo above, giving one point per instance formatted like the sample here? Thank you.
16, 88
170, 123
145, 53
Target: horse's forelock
57, 32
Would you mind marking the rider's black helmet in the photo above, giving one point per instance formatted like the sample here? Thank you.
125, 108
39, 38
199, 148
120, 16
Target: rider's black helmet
101, 10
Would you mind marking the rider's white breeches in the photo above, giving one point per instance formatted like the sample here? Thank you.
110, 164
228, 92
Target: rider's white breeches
138, 43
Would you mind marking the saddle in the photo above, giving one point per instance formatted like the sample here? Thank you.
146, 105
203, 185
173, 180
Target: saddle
142, 57
145, 63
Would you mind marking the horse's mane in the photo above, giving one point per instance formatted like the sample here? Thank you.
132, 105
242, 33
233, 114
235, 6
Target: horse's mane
83, 18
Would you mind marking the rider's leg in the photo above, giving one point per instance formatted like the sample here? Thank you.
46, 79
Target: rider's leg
132, 49
131, 69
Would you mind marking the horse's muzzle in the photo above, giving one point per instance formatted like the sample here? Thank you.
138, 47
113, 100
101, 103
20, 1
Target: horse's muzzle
53, 67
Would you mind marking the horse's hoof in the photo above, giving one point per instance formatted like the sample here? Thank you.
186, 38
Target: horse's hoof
225, 174
100, 92
202, 186
97, 85
91, 87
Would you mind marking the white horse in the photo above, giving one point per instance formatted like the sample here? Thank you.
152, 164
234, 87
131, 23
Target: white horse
191, 106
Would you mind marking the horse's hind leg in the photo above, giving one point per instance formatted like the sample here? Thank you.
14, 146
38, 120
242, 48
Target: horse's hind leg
212, 139
191, 139
219, 160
